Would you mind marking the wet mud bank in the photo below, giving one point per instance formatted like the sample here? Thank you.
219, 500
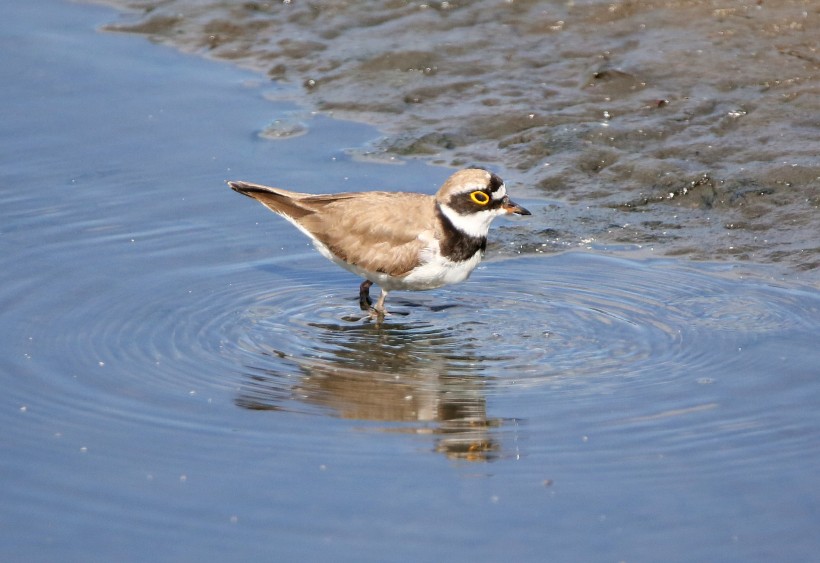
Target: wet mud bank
684, 127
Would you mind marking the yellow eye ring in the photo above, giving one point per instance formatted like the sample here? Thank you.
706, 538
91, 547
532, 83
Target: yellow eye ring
480, 198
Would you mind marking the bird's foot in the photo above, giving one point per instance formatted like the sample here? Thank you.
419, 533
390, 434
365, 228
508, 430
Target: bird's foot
377, 314
378, 311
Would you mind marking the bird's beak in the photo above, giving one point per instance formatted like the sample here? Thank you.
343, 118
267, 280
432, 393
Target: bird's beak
513, 208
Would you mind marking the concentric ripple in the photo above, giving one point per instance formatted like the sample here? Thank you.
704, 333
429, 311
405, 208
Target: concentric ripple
554, 324
290, 336
287, 334
523, 321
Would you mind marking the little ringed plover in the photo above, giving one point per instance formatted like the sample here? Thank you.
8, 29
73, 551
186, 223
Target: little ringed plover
398, 240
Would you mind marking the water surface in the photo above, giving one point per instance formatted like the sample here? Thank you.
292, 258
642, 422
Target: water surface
185, 379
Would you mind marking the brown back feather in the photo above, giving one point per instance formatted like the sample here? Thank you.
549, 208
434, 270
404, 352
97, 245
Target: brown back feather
377, 231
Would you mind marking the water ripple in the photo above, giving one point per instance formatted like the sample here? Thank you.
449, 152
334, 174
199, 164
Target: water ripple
288, 335
567, 326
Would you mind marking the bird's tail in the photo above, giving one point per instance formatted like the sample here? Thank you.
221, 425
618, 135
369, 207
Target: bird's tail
277, 200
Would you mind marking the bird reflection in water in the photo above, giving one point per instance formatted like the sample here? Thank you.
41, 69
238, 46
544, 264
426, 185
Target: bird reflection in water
392, 372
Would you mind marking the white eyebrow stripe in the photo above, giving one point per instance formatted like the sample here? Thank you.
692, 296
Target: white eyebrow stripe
500, 193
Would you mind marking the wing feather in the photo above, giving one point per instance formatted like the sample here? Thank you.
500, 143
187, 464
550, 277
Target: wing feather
385, 232
380, 231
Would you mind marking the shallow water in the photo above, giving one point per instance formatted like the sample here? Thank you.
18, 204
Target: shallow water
185, 379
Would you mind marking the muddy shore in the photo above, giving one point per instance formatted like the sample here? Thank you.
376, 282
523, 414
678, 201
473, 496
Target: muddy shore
686, 127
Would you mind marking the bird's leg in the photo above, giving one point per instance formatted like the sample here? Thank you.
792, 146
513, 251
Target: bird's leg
364, 295
379, 308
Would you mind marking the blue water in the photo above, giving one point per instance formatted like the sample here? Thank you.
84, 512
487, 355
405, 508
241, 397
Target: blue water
184, 379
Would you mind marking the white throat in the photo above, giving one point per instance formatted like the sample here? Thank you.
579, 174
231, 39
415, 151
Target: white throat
475, 224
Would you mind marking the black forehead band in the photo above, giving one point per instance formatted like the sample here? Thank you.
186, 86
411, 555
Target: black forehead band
495, 182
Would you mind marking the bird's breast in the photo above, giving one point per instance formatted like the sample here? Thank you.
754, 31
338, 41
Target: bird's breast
439, 270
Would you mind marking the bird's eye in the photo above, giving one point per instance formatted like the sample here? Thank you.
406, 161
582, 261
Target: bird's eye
480, 198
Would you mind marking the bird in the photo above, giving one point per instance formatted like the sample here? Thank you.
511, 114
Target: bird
401, 241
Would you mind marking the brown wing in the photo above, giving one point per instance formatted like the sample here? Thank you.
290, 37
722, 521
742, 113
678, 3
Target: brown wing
377, 231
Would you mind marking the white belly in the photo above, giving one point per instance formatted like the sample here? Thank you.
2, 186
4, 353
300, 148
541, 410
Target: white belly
436, 272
